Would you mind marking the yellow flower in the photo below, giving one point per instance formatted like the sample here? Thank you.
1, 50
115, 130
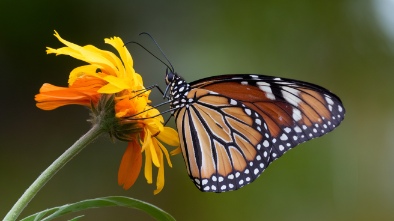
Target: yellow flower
135, 120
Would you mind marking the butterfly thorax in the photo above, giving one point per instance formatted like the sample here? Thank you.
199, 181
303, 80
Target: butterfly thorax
178, 91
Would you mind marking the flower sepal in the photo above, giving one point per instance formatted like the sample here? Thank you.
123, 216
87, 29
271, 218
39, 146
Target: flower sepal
104, 114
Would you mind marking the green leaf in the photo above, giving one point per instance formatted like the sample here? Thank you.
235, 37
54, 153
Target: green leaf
56, 212
76, 218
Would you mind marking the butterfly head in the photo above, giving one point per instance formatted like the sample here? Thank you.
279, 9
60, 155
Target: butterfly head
170, 76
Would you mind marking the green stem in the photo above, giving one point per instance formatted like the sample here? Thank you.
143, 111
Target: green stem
28, 195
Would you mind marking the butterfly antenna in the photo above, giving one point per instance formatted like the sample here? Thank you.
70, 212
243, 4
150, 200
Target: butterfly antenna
157, 45
134, 42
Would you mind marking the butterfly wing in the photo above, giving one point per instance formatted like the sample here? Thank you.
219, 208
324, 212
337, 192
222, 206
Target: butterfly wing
234, 126
222, 148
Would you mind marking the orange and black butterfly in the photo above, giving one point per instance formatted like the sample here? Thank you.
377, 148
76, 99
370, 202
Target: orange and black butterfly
231, 127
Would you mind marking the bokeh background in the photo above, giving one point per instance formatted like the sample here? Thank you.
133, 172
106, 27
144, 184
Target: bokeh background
344, 45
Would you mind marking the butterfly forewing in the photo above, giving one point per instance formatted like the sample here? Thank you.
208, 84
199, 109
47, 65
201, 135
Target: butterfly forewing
231, 127
295, 111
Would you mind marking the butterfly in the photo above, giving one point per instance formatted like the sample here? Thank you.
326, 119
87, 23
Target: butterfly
232, 127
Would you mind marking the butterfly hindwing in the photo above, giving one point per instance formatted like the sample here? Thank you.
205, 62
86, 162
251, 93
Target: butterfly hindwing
225, 144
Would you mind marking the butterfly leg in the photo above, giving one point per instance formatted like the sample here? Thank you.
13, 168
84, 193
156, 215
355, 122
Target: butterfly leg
148, 89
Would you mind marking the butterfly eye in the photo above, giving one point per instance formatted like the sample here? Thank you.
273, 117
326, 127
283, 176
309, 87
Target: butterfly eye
169, 76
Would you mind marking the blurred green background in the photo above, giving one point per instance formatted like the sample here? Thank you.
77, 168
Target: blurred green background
344, 45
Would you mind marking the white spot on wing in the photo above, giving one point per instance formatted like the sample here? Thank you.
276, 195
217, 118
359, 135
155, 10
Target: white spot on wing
297, 114
258, 146
258, 121
291, 95
329, 100
283, 137
266, 87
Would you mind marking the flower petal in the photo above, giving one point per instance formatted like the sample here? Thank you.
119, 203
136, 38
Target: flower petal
130, 166
169, 136
115, 85
130, 107
165, 151
87, 53
82, 71
154, 153
160, 172
118, 44
178, 150
52, 97
148, 166
147, 141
